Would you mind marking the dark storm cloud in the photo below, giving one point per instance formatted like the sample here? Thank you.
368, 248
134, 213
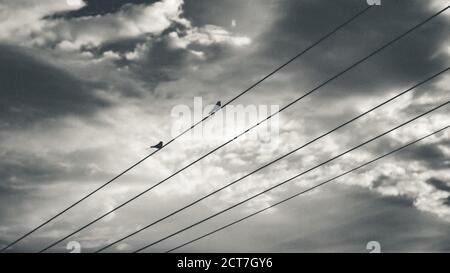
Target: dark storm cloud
12, 192
358, 216
409, 60
416, 108
336, 219
161, 63
122, 46
160, 56
382, 181
24, 169
32, 89
202, 12
101, 7
439, 184
430, 154
447, 201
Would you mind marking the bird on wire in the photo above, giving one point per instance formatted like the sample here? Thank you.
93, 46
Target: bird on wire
157, 146
216, 108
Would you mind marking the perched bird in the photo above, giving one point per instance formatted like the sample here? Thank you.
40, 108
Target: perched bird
216, 108
158, 146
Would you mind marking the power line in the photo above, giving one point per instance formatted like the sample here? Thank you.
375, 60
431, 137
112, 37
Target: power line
301, 53
292, 178
74, 204
252, 127
273, 161
193, 126
307, 190
190, 128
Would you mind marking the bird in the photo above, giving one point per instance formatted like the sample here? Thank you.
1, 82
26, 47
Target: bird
216, 108
157, 146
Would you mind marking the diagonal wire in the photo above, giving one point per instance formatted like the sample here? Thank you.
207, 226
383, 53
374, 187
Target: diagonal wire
294, 177
309, 189
252, 127
273, 161
190, 128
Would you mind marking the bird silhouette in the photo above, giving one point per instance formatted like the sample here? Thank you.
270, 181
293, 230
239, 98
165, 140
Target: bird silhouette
157, 146
216, 108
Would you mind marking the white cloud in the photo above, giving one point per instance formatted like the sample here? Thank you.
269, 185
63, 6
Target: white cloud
22, 21
206, 36
130, 21
31, 26
118, 135
137, 53
110, 55
20, 18
75, 3
67, 46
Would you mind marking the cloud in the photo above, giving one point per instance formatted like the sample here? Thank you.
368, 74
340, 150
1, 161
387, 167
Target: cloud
88, 88
129, 22
335, 219
92, 31
206, 36
417, 55
21, 18
439, 184
33, 89
129, 42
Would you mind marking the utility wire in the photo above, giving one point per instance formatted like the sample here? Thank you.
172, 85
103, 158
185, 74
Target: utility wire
246, 131
274, 161
193, 126
301, 53
292, 178
308, 190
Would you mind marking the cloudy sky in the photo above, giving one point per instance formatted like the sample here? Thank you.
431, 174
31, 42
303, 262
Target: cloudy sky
87, 86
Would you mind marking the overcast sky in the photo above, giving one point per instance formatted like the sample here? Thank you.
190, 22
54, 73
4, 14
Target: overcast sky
87, 86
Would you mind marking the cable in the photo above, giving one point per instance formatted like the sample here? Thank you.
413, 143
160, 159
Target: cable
308, 190
273, 161
193, 126
301, 53
292, 178
252, 127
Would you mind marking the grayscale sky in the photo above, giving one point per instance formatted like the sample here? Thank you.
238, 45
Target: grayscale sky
87, 85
